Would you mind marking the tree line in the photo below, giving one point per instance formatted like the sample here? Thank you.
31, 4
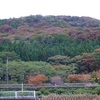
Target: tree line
54, 56
41, 47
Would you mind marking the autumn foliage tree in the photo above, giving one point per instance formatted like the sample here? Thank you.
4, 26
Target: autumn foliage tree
91, 62
96, 54
96, 76
79, 77
5, 28
88, 62
37, 80
56, 80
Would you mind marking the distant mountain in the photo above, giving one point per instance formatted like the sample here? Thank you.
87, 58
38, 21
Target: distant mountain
25, 27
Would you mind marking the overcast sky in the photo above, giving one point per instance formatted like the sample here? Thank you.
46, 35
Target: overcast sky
20, 8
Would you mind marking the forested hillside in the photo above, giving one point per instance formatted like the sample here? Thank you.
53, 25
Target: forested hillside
51, 47
26, 27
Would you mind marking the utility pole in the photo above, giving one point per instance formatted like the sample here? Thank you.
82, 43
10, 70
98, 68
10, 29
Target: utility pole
7, 70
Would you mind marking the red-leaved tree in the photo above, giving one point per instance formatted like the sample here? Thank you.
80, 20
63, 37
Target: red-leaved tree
37, 80
79, 77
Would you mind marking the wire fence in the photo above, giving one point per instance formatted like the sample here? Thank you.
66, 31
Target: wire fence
18, 94
26, 94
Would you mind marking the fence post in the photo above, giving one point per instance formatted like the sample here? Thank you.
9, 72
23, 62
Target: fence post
15, 94
22, 87
34, 94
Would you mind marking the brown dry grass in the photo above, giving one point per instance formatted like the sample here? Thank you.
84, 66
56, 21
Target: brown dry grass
71, 97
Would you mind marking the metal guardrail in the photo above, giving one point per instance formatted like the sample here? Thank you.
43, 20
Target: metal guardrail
31, 86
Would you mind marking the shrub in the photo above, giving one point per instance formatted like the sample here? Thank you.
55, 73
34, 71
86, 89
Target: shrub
56, 80
79, 77
37, 80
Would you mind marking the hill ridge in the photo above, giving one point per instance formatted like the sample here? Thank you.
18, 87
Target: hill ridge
26, 27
